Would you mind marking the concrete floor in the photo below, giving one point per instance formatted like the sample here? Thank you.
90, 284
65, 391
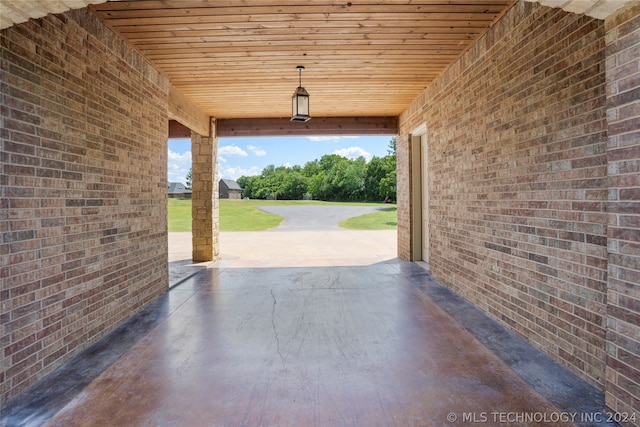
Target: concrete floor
320, 339
287, 249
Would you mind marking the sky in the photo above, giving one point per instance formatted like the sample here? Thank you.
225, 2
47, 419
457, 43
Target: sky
249, 156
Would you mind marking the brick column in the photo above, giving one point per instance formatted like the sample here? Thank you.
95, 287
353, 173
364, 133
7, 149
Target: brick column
204, 184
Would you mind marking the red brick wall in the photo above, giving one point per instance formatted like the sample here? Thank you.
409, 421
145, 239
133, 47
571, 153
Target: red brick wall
83, 191
623, 155
516, 131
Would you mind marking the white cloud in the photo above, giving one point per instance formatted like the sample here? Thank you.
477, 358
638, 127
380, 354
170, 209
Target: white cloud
353, 153
330, 138
232, 150
177, 166
287, 165
258, 151
237, 172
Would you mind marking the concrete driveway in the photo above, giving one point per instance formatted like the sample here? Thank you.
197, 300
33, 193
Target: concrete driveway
306, 238
308, 218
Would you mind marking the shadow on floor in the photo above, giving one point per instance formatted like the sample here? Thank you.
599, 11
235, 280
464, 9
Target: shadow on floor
181, 270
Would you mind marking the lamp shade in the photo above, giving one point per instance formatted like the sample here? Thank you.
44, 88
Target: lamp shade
300, 105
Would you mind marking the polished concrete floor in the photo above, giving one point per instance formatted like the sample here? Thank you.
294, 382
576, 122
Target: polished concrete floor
344, 334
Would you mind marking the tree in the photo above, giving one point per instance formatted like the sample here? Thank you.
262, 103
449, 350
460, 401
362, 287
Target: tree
392, 147
293, 183
353, 182
188, 178
332, 177
247, 183
376, 172
388, 184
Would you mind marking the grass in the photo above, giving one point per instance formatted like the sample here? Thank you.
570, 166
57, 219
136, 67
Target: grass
179, 215
243, 215
384, 219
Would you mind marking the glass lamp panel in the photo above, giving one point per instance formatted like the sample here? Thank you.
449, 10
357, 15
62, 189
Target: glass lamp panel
303, 105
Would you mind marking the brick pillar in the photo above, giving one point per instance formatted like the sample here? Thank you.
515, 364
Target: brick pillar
204, 185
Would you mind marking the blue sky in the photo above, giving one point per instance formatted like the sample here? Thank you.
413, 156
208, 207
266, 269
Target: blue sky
249, 156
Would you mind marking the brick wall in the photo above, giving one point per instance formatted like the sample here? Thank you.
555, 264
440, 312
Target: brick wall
623, 155
516, 131
534, 183
83, 191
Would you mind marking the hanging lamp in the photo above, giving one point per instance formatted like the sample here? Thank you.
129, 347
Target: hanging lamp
300, 101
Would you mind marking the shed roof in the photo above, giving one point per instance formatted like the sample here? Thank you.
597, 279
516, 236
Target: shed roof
231, 184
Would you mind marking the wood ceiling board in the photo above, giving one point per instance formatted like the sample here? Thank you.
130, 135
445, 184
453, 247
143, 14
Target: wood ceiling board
343, 27
290, 20
305, 54
329, 37
237, 58
442, 39
193, 5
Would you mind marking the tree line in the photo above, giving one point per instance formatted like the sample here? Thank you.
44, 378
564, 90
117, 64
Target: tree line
332, 177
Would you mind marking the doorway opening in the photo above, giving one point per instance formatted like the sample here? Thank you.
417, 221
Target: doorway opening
179, 193
245, 161
420, 196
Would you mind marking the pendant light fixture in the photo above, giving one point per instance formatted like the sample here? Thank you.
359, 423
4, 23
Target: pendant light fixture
300, 101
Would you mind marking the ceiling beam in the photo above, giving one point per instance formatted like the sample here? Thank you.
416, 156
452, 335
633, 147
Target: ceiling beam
229, 128
183, 110
178, 130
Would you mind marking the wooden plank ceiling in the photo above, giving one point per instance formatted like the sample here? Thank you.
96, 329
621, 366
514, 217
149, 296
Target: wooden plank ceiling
238, 58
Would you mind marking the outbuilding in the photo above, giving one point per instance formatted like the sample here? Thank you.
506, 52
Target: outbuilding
177, 190
229, 189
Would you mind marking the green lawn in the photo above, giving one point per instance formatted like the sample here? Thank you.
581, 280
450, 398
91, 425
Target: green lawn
385, 219
179, 215
243, 215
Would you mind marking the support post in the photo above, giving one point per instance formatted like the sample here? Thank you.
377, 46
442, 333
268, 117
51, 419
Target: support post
205, 207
